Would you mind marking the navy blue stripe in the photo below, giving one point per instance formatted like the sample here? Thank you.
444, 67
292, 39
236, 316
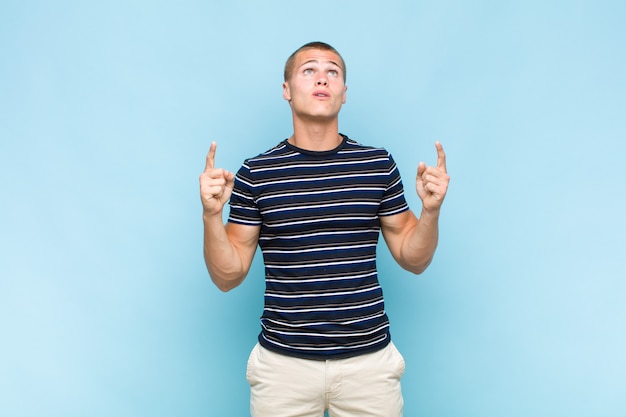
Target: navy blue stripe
319, 217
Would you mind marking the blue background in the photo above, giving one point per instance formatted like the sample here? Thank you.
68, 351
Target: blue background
107, 110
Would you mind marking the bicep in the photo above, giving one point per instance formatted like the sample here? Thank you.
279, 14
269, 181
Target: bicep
244, 239
395, 229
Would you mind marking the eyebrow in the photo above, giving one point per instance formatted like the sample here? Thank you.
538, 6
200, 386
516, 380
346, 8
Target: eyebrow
317, 62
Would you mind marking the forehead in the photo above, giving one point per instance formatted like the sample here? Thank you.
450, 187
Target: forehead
317, 55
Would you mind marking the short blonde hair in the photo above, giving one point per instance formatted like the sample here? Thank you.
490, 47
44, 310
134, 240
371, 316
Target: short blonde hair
312, 45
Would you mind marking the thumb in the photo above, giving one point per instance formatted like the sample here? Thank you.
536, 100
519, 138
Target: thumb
230, 178
230, 184
420, 169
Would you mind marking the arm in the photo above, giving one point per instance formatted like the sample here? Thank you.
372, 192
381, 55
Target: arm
228, 249
413, 241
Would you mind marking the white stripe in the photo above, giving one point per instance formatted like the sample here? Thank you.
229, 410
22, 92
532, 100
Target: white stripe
314, 280
360, 261
244, 221
362, 345
321, 295
298, 250
318, 206
322, 220
305, 235
334, 308
331, 191
388, 213
326, 323
315, 164
330, 336
334, 177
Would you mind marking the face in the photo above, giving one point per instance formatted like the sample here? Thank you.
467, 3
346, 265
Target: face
316, 88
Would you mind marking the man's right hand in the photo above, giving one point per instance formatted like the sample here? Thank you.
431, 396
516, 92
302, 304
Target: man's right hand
216, 185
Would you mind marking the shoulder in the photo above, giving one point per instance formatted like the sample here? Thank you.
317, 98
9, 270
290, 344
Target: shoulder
269, 157
379, 156
357, 148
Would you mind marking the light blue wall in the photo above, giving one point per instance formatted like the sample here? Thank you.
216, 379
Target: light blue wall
108, 109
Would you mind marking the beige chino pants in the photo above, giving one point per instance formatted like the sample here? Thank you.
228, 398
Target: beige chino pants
365, 385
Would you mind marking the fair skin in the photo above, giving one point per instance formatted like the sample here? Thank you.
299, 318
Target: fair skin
315, 92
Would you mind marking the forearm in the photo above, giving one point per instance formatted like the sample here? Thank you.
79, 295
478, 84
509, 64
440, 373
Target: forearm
222, 259
420, 243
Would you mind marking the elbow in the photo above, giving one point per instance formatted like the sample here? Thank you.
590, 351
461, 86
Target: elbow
226, 284
418, 271
225, 279
225, 287
417, 268
417, 260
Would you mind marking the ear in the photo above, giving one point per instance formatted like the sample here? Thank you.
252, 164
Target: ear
286, 91
343, 100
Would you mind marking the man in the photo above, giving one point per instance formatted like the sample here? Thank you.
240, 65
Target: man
315, 204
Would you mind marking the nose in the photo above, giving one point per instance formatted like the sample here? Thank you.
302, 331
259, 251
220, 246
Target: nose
322, 81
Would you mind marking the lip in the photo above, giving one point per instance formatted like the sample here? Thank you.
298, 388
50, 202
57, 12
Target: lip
321, 94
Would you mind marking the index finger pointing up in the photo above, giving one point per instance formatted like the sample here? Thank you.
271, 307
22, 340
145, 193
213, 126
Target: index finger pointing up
441, 157
210, 157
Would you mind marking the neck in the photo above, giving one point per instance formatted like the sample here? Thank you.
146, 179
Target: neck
316, 136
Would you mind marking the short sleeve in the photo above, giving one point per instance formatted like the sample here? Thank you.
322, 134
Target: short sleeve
393, 201
243, 207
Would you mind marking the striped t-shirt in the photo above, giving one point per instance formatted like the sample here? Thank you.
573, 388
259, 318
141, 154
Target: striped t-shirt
319, 216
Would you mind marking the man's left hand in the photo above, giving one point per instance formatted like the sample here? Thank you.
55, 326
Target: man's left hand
431, 183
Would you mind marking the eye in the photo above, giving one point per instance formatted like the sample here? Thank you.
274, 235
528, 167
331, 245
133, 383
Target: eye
308, 71
333, 73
